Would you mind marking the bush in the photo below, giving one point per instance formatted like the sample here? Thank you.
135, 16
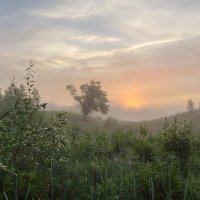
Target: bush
177, 139
144, 150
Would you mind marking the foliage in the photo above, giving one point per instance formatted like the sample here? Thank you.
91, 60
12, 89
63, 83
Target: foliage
48, 158
91, 98
15, 95
177, 140
143, 131
29, 146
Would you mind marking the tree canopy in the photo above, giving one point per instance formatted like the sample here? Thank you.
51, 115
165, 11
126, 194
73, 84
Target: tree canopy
90, 98
15, 94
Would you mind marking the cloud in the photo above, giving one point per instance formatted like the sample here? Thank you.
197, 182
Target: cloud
70, 9
149, 50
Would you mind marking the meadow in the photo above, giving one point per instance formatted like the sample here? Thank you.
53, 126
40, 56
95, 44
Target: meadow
58, 156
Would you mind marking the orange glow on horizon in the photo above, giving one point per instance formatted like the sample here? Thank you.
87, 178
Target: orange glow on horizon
136, 103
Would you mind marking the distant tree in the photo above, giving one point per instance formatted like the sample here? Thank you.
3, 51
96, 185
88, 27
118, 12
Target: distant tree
91, 98
190, 105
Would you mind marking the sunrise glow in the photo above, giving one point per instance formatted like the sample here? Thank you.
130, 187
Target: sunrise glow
145, 54
131, 102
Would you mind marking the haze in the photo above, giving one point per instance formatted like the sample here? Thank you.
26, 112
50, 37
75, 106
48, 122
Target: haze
145, 53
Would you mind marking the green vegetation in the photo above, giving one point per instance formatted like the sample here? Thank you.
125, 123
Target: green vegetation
57, 156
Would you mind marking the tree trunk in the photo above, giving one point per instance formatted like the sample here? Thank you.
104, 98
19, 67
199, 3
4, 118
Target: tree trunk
85, 116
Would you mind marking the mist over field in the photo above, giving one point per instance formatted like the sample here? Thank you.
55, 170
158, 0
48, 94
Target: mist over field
100, 100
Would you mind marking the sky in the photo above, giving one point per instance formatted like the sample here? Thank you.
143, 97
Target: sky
146, 53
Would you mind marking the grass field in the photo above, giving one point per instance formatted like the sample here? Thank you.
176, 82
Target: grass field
109, 124
60, 156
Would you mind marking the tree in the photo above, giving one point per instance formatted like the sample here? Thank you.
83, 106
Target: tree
91, 98
14, 94
10, 96
190, 105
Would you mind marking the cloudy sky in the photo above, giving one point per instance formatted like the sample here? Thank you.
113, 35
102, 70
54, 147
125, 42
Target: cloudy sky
146, 53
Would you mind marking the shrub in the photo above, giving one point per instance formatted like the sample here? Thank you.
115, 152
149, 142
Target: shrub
177, 139
144, 150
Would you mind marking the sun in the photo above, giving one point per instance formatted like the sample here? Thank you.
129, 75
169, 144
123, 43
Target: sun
133, 103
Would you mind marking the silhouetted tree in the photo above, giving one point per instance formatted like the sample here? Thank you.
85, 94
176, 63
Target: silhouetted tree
190, 105
91, 98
